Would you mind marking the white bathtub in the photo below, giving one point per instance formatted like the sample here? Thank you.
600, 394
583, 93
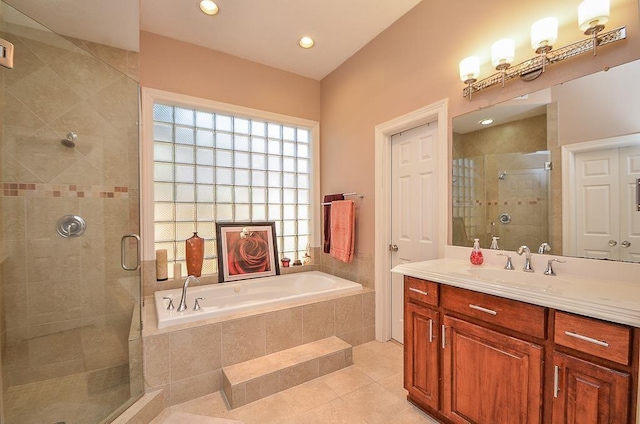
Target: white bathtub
241, 296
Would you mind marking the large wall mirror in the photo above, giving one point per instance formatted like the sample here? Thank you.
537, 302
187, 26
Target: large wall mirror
560, 166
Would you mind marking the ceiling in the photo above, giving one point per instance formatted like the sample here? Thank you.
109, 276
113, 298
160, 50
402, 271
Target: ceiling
262, 31
522, 107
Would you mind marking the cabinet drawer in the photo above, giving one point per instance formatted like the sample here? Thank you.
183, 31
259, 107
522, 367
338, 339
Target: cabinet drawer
598, 338
512, 314
421, 290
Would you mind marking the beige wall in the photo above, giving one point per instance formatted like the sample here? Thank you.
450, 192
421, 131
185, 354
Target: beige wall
415, 63
178, 67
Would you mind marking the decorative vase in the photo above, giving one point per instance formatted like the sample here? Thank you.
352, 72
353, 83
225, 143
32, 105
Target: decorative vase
195, 255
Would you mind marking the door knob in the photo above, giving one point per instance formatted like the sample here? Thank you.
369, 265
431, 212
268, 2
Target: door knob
393, 248
612, 243
625, 244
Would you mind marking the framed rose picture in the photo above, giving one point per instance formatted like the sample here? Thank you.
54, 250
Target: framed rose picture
246, 250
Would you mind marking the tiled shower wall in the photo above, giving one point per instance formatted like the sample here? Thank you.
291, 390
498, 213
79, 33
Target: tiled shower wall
497, 148
67, 303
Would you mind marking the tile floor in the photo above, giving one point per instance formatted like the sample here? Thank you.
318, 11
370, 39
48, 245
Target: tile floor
368, 392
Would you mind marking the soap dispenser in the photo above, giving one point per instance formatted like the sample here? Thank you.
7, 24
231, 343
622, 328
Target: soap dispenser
476, 254
494, 243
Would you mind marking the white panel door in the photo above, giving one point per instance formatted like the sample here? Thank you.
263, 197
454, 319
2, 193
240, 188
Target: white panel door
413, 207
597, 180
629, 214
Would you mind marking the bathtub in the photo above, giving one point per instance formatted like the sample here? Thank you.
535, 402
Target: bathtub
247, 295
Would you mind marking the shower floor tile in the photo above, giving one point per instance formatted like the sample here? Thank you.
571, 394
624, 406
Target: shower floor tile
83, 398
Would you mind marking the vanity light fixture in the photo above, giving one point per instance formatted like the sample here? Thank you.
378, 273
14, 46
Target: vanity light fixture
502, 55
592, 16
208, 7
469, 71
306, 42
544, 33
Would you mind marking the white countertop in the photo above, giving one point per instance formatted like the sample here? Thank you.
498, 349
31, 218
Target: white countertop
610, 300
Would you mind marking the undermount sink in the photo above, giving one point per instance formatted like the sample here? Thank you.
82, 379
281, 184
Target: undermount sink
518, 278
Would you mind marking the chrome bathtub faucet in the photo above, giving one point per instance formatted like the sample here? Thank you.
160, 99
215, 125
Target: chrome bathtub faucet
183, 300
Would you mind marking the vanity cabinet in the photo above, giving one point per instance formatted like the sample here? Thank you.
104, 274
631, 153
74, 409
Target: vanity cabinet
588, 393
490, 377
421, 349
476, 358
421, 326
585, 392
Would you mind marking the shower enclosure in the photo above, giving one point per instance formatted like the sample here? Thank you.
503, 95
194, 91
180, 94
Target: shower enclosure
70, 332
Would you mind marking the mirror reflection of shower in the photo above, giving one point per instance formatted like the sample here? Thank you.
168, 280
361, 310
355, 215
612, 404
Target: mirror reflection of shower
70, 141
502, 175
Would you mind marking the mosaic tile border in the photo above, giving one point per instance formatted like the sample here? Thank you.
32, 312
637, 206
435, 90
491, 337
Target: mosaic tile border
519, 202
63, 190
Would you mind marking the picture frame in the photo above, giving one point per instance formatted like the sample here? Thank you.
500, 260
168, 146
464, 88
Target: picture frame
246, 250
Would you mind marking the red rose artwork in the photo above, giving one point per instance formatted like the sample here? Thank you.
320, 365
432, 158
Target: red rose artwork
248, 252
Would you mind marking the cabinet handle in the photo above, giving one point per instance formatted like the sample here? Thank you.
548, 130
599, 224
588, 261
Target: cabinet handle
586, 339
556, 381
481, 309
413, 289
444, 336
430, 331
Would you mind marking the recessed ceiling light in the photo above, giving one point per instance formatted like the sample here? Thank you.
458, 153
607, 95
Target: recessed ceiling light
486, 121
306, 42
208, 7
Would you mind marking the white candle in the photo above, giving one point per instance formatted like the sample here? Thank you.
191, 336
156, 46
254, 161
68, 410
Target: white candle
177, 270
161, 264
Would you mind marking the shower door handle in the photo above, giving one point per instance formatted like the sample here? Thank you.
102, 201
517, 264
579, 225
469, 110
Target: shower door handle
123, 252
6, 54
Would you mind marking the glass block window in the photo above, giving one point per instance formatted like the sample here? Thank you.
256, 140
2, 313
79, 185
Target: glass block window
465, 207
212, 167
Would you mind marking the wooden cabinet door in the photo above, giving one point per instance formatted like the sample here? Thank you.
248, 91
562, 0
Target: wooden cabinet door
585, 393
421, 374
490, 377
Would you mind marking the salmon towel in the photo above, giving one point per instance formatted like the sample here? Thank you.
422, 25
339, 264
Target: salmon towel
343, 229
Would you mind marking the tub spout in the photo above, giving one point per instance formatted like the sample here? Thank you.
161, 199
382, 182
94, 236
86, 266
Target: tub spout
183, 300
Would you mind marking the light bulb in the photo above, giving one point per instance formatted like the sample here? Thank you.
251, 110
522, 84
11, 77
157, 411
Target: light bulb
544, 33
592, 14
503, 52
208, 7
469, 68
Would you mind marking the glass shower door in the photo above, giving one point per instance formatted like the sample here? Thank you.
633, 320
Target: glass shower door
70, 331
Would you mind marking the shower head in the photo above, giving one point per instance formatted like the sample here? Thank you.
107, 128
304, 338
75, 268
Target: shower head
70, 141
502, 175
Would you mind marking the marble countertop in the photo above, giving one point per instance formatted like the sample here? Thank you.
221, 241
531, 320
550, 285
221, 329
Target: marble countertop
610, 300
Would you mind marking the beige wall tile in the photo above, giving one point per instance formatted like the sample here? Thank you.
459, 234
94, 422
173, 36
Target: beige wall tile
191, 388
195, 351
330, 363
348, 314
262, 387
318, 321
298, 374
157, 360
283, 329
354, 338
243, 339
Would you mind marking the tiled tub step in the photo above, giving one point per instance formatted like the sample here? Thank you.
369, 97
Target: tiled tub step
261, 377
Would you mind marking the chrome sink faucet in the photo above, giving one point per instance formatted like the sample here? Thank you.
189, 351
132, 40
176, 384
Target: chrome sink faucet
527, 258
544, 248
549, 270
183, 300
